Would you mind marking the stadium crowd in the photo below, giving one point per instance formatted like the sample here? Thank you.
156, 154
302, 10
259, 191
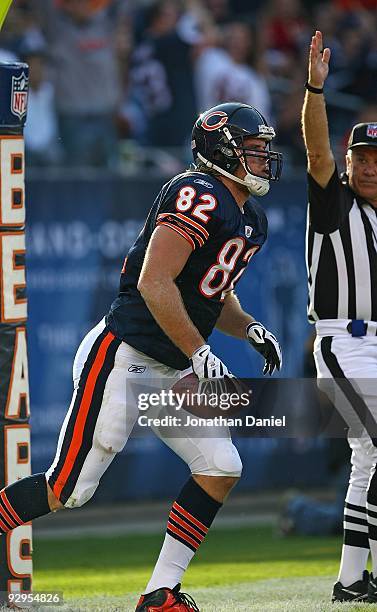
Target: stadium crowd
112, 80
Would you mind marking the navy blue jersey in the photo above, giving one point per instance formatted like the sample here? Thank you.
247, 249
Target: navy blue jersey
223, 239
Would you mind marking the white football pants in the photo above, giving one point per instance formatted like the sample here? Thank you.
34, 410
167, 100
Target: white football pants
100, 420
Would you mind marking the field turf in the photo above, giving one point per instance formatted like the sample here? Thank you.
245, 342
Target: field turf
236, 569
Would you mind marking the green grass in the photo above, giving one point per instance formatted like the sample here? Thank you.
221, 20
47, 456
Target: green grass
119, 565
247, 569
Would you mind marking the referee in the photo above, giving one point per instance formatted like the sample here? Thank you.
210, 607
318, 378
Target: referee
342, 269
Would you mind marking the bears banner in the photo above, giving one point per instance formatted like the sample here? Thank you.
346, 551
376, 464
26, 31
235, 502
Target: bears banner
15, 547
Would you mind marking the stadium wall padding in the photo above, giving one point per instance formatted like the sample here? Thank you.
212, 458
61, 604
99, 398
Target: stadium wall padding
15, 545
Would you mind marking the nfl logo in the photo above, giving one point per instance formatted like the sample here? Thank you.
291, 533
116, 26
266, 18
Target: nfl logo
248, 231
372, 130
19, 95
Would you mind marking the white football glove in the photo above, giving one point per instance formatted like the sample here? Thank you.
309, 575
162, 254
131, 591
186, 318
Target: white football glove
266, 344
206, 365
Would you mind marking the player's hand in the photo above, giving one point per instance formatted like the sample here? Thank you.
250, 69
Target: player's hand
206, 365
266, 344
318, 61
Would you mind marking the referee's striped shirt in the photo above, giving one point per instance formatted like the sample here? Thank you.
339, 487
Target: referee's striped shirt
341, 253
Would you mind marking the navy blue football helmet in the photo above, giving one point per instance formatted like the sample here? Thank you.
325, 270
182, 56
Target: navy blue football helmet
218, 142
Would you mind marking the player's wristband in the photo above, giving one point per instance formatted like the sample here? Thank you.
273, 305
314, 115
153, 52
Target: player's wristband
316, 90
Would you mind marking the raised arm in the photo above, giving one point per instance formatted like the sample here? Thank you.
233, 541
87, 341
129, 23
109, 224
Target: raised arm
314, 117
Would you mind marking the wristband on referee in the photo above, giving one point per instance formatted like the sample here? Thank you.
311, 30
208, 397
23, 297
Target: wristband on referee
315, 90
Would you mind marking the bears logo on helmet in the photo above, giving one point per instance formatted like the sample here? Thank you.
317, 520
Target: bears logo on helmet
210, 126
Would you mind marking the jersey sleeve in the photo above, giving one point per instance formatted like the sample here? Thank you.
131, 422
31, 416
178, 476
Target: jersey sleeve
189, 209
261, 222
329, 206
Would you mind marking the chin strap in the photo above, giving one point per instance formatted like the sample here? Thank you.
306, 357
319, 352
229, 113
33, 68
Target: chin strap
254, 184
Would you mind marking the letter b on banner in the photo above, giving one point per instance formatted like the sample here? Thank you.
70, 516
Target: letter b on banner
16, 545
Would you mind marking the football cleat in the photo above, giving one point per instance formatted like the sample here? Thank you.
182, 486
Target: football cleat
167, 600
372, 590
358, 591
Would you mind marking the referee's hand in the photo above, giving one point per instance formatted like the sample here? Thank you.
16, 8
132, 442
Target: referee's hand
318, 61
266, 344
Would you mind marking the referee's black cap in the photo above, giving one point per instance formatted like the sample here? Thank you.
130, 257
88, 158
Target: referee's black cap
363, 135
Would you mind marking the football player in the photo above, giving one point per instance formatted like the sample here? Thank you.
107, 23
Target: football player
177, 285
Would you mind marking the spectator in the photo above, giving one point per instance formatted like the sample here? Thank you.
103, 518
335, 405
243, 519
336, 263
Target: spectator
175, 57
286, 26
288, 104
352, 81
284, 31
326, 17
161, 77
349, 65
220, 11
81, 36
41, 132
251, 8
356, 4
15, 27
231, 73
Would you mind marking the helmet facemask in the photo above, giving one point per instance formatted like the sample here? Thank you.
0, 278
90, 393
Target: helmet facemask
256, 183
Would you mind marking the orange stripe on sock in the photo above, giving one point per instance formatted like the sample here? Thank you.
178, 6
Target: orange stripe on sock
9, 507
190, 517
7, 517
186, 526
82, 414
4, 527
183, 535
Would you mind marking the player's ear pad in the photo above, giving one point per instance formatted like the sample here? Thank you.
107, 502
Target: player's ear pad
213, 398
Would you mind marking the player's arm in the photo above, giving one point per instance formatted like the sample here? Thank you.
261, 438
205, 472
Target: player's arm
315, 128
165, 258
233, 320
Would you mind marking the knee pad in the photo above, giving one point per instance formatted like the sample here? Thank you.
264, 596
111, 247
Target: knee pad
223, 460
227, 460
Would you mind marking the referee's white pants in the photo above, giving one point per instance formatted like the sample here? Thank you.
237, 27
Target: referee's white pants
352, 361
100, 420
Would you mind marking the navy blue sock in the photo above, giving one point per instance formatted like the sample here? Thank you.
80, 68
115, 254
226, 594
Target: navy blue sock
23, 501
192, 515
